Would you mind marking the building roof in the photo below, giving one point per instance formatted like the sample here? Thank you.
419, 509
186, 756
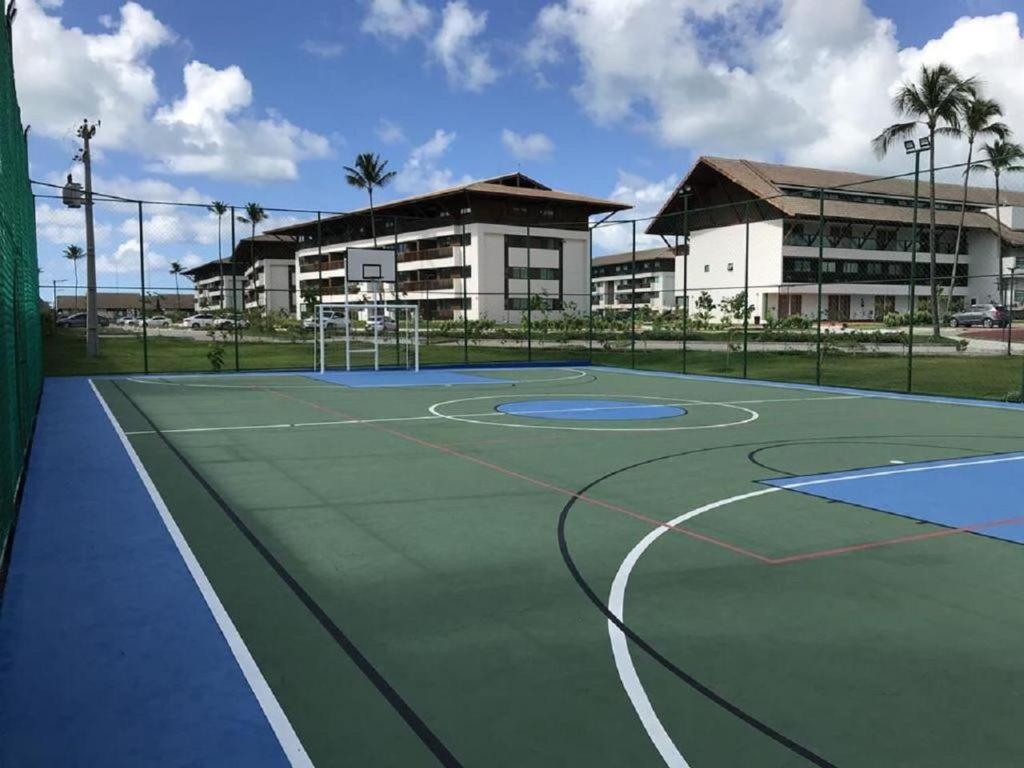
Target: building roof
775, 189
265, 246
650, 254
126, 302
511, 185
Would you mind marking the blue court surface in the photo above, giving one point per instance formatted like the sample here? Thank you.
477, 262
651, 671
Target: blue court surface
591, 410
377, 379
105, 641
980, 494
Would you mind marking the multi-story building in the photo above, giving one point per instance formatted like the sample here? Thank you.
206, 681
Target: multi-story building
259, 275
219, 285
620, 281
740, 212
491, 246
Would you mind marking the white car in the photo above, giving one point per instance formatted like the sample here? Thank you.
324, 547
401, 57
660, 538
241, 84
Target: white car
227, 323
381, 324
332, 321
197, 322
159, 321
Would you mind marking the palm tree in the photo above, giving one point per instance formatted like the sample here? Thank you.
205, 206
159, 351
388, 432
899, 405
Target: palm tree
979, 119
254, 214
73, 253
218, 209
1001, 157
369, 173
937, 102
176, 270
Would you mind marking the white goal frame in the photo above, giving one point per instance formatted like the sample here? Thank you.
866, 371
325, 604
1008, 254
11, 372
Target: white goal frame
375, 309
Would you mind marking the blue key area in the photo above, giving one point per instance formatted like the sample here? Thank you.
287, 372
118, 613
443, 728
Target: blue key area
979, 492
371, 379
591, 410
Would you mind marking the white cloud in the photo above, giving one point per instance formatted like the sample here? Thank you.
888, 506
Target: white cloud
61, 227
125, 259
108, 76
646, 197
399, 19
465, 60
530, 146
422, 172
390, 132
793, 80
322, 49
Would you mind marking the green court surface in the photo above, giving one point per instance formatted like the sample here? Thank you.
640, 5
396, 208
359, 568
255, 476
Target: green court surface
448, 574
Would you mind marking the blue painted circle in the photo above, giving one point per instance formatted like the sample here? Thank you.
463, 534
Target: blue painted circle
591, 410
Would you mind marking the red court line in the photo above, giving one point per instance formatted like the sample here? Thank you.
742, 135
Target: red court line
532, 480
890, 542
800, 557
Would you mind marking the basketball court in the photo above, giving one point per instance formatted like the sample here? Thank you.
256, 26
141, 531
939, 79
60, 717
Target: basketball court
519, 566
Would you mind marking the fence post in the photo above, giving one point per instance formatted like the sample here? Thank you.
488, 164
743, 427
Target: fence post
913, 275
465, 295
142, 273
746, 286
590, 294
529, 300
632, 301
686, 275
821, 277
234, 288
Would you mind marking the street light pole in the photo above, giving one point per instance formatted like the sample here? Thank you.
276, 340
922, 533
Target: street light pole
54, 313
92, 342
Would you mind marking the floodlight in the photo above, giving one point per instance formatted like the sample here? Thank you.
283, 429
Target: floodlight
909, 146
925, 143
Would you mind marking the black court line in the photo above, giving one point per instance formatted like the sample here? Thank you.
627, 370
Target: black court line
413, 720
649, 649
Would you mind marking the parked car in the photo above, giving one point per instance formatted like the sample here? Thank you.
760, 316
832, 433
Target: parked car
78, 320
127, 320
197, 322
228, 323
159, 321
988, 315
332, 321
381, 324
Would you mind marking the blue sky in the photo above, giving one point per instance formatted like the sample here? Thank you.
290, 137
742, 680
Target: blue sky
263, 101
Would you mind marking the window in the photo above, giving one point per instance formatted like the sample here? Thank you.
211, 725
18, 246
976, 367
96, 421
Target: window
828, 267
707, 267
851, 268
729, 267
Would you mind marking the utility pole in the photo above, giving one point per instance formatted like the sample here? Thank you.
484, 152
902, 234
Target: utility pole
92, 342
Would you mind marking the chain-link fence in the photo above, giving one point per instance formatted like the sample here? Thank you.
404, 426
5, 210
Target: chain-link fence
820, 285
20, 354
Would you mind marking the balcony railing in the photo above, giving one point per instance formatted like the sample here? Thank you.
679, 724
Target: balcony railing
428, 254
322, 267
441, 284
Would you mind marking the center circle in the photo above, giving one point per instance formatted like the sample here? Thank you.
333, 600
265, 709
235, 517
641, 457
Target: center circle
590, 410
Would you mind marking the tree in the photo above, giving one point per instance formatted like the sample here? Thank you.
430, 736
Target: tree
218, 209
73, 253
738, 307
176, 270
936, 101
1001, 157
254, 214
705, 307
369, 173
979, 118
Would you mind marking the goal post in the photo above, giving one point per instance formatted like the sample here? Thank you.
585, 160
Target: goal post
360, 335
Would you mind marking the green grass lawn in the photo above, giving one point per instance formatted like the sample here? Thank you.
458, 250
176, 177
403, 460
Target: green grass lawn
64, 354
990, 378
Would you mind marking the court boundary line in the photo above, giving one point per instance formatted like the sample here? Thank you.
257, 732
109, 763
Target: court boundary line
278, 721
402, 708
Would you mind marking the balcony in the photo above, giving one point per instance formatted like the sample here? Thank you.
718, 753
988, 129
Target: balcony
325, 266
441, 284
429, 254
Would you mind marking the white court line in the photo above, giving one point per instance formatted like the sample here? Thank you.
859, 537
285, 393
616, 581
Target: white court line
903, 471
275, 715
345, 422
620, 644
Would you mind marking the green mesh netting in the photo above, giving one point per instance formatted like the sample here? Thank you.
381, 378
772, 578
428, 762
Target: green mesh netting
20, 346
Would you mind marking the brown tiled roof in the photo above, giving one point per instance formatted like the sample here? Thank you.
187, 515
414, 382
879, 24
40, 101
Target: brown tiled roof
769, 182
524, 187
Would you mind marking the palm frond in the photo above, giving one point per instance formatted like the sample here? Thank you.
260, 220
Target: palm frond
884, 141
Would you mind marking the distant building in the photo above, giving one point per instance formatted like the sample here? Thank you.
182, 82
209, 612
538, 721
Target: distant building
866, 264
114, 305
490, 246
258, 275
619, 282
